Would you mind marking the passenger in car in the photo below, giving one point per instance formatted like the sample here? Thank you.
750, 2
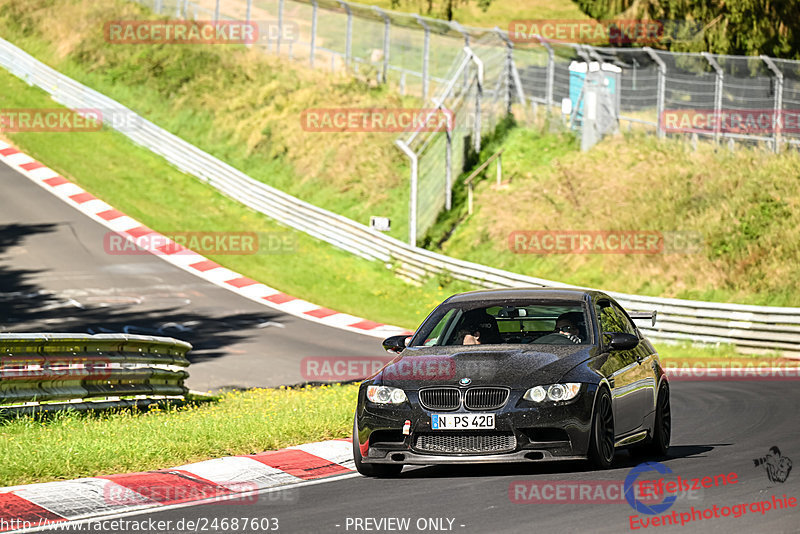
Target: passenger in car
477, 327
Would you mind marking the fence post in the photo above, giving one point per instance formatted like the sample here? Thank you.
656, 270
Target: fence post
425, 54
313, 32
249, 8
412, 203
349, 35
717, 93
777, 119
478, 95
158, 6
499, 168
507, 69
551, 72
460, 29
661, 91
280, 27
386, 42
216, 11
448, 172
186, 9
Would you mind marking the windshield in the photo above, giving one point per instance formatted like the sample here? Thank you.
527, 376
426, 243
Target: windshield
475, 323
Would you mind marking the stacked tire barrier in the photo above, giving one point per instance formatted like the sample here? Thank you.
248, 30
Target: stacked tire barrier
755, 329
81, 371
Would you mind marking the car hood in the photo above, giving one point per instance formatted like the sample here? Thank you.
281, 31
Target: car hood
516, 366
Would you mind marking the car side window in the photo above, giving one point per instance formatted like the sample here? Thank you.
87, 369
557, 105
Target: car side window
609, 320
624, 322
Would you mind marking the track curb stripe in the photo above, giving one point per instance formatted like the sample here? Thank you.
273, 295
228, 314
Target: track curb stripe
185, 259
219, 480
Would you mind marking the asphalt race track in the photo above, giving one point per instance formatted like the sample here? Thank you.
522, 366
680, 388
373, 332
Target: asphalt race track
55, 276
718, 428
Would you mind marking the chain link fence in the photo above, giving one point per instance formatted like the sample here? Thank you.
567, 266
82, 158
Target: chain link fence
476, 74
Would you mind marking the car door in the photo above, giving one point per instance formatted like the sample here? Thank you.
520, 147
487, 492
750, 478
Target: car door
626, 376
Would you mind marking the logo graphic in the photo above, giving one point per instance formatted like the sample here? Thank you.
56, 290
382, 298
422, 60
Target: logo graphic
465, 381
777, 466
638, 505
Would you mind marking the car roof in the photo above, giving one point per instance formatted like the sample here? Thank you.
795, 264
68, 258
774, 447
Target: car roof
524, 293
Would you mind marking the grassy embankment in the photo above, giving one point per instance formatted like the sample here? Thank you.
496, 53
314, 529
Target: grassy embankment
144, 186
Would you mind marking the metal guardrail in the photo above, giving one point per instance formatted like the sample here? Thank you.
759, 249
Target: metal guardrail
82, 371
749, 328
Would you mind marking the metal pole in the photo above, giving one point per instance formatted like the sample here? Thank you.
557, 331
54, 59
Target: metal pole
459, 28
280, 26
425, 54
349, 35
313, 31
661, 92
507, 69
412, 204
551, 72
448, 172
777, 119
186, 9
499, 168
249, 8
478, 95
386, 41
717, 93
158, 6
216, 11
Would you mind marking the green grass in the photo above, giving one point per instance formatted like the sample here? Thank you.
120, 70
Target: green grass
239, 104
147, 188
743, 207
78, 444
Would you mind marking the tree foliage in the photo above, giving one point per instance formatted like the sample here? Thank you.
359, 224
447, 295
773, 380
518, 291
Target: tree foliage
743, 27
442, 8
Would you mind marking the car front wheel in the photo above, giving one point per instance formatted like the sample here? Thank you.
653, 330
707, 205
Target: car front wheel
371, 470
601, 444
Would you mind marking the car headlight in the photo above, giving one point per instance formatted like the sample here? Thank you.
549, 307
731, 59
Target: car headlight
386, 395
553, 392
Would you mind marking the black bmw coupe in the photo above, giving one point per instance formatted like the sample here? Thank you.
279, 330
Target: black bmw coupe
514, 375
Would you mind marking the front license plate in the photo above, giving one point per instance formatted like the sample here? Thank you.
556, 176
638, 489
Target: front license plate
462, 421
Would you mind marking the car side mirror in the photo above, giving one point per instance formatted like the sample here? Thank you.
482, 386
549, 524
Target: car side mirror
620, 341
395, 343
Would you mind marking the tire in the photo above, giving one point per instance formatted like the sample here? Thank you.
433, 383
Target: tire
601, 442
657, 445
662, 431
372, 470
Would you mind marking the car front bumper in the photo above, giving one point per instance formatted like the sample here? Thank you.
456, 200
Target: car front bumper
536, 432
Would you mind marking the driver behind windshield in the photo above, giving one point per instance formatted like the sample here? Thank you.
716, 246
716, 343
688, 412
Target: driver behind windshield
567, 330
